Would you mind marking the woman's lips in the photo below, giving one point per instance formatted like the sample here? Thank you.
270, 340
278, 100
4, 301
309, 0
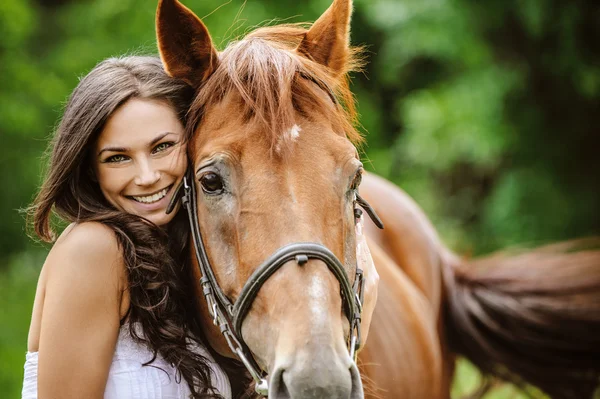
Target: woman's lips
161, 202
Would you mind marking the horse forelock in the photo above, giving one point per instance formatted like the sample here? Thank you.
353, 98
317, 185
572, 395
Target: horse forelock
275, 84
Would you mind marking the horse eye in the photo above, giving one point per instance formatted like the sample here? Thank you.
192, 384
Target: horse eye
211, 183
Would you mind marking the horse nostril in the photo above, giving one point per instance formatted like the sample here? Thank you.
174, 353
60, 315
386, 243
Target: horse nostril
303, 382
277, 387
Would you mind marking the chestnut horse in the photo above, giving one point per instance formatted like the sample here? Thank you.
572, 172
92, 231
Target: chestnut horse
274, 162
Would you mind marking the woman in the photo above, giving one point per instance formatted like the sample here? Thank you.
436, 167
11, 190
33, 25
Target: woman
114, 292
112, 295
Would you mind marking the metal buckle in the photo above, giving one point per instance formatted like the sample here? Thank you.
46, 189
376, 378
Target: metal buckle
215, 314
261, 385
355, 339
355, 334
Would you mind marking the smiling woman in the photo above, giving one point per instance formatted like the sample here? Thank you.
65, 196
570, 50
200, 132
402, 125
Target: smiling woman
113, 294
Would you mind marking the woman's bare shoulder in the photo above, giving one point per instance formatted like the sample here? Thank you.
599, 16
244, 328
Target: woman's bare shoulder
77, 325
87, 250
76, 232
83, 276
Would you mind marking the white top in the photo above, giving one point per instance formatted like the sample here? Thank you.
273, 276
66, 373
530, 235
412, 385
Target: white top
127, 377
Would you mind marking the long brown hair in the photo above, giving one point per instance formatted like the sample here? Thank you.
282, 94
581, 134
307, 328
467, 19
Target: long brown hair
156, 259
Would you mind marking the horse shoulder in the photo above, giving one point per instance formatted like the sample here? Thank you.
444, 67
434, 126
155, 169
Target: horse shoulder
403, 355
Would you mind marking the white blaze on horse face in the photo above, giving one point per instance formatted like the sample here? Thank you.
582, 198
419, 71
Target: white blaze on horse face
317, 294
289, 136
294, 132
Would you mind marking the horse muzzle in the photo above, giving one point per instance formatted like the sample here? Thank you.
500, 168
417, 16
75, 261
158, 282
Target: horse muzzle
322, 375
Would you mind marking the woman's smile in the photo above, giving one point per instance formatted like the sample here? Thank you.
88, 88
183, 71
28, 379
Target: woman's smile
152, 202
151, 198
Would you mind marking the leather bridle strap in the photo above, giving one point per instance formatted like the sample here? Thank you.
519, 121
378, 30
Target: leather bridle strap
219, 306
370, 211
210, 287
301, 253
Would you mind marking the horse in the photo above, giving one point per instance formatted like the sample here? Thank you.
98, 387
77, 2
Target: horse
272, 195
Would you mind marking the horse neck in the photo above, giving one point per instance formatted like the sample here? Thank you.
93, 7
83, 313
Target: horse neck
408, 238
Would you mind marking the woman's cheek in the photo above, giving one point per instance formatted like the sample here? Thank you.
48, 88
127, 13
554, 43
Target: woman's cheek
177, 162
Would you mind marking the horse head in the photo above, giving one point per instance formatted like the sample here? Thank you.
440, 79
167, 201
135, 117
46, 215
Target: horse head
273, 164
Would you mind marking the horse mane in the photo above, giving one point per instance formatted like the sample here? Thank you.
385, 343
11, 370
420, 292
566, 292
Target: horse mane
275, 83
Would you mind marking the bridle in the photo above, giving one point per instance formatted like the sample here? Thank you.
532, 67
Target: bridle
229, 316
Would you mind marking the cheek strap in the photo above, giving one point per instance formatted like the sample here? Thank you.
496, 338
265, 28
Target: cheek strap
370, 211
175, 198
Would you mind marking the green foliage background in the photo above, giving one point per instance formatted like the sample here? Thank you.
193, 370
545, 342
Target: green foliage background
487, 113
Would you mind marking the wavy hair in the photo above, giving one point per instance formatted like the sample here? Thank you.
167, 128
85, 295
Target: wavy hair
158, 272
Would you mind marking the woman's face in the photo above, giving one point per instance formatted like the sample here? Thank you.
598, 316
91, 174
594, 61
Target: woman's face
139, 158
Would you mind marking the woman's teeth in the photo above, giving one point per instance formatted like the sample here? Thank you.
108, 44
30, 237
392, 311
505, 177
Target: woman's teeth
152, 198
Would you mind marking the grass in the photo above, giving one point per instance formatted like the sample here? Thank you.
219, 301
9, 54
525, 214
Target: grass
468, 379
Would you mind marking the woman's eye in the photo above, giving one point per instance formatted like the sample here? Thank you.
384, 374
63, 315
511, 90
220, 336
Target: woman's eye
116, 159
162, 146
211, 183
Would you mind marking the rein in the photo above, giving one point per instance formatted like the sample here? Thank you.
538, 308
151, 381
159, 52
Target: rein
229, 315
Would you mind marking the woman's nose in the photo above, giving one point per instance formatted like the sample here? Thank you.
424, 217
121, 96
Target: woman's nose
147, 175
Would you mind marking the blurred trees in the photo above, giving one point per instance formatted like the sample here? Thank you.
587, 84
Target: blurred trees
486, 113
490, 114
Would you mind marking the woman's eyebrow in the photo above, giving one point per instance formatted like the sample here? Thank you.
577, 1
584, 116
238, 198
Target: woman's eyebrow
112, 149
159, 138
124, 149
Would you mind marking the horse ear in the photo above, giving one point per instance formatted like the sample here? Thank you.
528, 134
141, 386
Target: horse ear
184, 43
328, 40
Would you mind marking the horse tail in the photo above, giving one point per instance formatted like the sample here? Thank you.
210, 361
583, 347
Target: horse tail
530, 318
